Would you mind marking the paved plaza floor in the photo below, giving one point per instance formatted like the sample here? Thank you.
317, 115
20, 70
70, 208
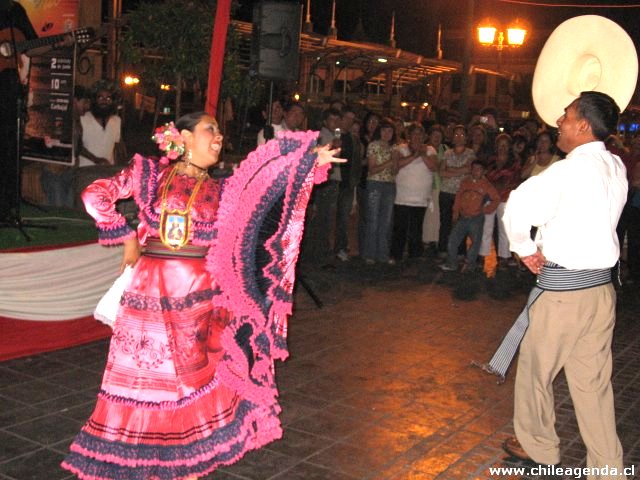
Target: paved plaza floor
378, 385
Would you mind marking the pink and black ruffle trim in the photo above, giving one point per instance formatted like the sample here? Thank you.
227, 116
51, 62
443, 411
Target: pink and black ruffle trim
261, 221
95, 458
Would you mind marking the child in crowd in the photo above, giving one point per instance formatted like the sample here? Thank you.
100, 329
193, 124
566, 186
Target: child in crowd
476, 197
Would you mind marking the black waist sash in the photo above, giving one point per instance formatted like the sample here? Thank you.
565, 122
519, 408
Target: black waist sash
554, 278
155, 248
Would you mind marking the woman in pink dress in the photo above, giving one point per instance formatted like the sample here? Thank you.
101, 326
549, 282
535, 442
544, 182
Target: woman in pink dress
189, 382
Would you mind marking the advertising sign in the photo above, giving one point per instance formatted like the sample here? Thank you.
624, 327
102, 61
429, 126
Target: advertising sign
48, 131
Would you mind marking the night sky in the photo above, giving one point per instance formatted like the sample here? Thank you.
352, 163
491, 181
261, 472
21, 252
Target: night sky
417, 20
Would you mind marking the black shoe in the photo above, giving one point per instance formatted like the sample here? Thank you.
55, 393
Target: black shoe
512, 446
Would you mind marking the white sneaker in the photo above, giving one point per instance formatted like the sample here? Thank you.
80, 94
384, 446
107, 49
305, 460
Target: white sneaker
342, 255
447, 268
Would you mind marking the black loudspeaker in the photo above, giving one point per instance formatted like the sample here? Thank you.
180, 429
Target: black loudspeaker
276, 40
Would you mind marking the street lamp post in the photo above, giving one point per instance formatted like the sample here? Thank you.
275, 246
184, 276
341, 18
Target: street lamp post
466, 61
515, 37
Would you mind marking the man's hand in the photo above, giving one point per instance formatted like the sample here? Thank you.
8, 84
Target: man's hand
534, 262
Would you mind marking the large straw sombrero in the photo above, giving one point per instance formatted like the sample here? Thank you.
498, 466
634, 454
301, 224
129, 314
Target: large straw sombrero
584, 53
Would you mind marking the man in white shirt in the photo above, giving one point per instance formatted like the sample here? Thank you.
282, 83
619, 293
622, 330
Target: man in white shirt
293, 120
576, 204
100, 130
275, 122
414, 183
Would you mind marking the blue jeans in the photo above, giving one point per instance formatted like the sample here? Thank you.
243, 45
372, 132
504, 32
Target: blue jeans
343, 217
361, 198
471, 226
379, 212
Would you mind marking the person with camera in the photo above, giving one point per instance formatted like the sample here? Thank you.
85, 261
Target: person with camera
324, 199
350, 172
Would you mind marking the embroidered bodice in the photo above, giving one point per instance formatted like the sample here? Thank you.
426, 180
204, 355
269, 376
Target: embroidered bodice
144, 179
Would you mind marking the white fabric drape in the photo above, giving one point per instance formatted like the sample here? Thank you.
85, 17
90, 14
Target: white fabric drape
59, 284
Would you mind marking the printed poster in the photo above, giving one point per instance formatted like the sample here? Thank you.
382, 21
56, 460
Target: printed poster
52, 17
48, 131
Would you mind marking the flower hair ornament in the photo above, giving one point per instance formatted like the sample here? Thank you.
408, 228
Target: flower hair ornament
169, 140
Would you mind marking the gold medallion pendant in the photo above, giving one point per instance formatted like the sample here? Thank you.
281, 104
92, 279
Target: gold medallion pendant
174, 228
175, 225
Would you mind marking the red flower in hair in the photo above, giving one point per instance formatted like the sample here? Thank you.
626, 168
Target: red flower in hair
169, 140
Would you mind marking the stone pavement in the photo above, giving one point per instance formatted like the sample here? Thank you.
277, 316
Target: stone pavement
378, 385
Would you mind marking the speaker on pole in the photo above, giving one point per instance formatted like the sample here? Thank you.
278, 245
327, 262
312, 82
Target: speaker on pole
275, 41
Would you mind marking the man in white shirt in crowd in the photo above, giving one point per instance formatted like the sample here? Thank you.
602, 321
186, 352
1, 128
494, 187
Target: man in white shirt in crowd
576, 204
414, 183
275, 125
292, 121
101, 128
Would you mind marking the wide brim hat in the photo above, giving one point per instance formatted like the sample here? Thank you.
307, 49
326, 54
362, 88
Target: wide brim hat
585, 53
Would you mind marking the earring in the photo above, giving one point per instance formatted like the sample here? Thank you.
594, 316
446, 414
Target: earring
189, 157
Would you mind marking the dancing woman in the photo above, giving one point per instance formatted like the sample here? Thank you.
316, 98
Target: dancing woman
189, 383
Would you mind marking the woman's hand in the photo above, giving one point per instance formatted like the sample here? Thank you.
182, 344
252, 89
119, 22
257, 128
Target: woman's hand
132, 252
325, 155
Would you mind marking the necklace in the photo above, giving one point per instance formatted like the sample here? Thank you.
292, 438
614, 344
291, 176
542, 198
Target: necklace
175, 225
188, 164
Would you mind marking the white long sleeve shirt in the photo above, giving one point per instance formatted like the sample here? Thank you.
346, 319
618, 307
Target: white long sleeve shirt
99, 141
277, 127
576, 203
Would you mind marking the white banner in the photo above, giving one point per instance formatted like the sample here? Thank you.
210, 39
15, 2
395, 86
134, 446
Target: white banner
58, 284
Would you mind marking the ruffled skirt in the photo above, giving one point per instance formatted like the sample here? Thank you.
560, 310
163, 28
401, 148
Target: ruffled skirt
163, 412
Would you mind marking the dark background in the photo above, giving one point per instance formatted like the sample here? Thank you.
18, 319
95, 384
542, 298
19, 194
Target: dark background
417, 20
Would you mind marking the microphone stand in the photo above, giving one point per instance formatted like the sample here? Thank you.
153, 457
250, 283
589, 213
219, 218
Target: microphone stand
268, 128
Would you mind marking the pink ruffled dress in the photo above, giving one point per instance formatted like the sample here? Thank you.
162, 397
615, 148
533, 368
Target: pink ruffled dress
189, 383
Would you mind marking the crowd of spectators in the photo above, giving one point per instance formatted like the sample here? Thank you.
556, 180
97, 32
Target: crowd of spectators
415, 190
